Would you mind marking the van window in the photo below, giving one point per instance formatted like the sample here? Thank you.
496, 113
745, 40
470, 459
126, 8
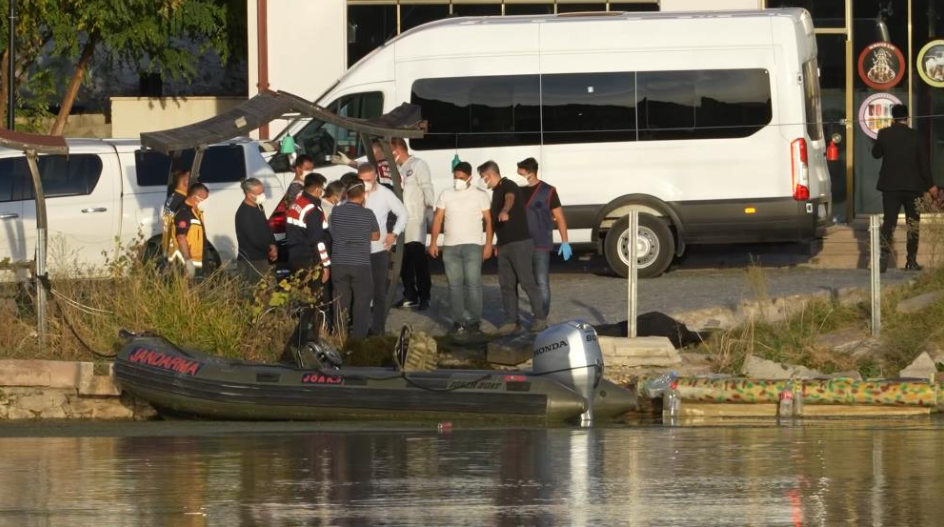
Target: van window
588, 107
812, 100
711, 104
221, 164
72, 175
321, 140
476, 112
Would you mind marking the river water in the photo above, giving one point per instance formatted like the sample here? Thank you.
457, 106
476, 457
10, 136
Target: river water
875, 473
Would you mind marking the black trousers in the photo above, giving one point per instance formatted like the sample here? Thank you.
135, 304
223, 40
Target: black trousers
892, 202
312, 317
380, 272
415, 272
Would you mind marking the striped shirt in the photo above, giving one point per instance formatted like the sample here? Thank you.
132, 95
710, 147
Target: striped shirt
351, 228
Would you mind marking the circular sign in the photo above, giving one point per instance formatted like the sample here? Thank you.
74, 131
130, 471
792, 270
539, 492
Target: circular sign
931, 63
881, 66
876, 113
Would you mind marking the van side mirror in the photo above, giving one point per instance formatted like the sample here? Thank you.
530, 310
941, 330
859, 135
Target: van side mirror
287, 145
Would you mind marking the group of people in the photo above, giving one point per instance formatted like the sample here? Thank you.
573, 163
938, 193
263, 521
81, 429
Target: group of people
341, 234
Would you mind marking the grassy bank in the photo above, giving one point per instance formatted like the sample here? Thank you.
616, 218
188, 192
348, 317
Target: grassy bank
795, 340
219, 314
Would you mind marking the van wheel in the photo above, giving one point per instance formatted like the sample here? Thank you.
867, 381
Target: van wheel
655, 246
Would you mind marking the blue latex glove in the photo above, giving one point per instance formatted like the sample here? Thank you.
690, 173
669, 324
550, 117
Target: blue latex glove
565, 251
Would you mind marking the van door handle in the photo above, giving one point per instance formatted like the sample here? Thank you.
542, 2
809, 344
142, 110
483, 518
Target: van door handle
94, 209
8, 215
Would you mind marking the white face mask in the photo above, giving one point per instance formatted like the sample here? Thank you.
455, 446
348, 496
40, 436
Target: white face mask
460, 184
368, 186
259, 198
202, 206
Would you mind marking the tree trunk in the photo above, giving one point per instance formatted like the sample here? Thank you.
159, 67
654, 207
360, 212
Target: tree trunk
72, 90
4, 86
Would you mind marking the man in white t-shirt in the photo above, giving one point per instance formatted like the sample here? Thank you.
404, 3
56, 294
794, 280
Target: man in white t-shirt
464, 209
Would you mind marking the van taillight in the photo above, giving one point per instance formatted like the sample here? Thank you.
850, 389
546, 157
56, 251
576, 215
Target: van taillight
800, 170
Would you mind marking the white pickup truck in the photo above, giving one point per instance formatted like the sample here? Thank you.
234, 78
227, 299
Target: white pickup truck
108, 190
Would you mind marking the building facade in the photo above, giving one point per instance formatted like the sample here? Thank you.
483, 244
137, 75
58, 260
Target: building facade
872, 54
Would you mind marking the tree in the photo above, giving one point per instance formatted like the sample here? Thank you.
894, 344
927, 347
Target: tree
146, 34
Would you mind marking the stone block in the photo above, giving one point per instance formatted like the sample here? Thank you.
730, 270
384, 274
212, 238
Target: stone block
923, 367
43, 373
42, 401
109, 408
511, 350
758, 368
920, 302
845, 341
91, 384
639, 351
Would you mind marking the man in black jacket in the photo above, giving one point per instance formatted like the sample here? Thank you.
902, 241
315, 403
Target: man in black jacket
253, 236
905, 177
306, 233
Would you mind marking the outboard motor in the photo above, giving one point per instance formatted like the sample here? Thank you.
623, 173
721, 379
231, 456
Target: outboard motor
570, 354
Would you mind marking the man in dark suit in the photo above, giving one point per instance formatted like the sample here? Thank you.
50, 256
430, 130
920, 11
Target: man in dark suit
905, 177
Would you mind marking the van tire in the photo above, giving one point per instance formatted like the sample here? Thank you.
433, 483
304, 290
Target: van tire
657, 237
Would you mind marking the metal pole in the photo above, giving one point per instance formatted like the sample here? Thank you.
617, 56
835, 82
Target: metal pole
875, 255
11, 70
195, 167
41, 230
632, 273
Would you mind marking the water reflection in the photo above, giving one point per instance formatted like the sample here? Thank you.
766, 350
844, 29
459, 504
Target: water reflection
884, 473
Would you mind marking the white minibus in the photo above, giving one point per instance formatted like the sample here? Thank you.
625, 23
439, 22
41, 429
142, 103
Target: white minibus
709, 124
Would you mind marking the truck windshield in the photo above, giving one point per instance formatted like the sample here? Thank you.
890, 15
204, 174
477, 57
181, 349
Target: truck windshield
322, 140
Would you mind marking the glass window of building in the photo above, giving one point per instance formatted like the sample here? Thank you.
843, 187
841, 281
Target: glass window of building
476, 9
634, 6
368, 27
412, 15
529, 9
589, 107
826, 13
578, 8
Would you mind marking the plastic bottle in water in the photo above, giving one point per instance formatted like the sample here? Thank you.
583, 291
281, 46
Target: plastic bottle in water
797, 389
671, 402
659, 385
785, 408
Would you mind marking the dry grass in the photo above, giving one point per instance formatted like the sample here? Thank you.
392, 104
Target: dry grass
220, 314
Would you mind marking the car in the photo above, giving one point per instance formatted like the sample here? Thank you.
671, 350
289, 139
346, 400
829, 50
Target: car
110, 191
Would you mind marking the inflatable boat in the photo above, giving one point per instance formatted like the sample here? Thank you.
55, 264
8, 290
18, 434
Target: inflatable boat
565, 385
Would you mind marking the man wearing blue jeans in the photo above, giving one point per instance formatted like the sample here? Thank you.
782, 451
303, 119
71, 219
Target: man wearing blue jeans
464, 210
544, 212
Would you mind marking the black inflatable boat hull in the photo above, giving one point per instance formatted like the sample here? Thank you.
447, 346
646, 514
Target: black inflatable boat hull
187, 383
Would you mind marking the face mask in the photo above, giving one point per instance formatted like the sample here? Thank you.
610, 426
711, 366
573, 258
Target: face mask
202, 206
461, 184
259, 199
368, 186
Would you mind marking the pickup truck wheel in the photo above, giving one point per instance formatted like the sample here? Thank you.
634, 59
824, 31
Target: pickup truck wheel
655, 246
153, 253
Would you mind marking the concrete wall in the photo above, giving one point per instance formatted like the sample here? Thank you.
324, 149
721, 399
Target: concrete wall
709, 5
132, 115
307, 42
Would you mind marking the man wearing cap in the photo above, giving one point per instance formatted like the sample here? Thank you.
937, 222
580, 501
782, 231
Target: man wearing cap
463, 210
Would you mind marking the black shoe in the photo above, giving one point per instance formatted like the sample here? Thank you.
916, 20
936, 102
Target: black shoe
883, 264
423, 305
912, 265
406, 303
458, 330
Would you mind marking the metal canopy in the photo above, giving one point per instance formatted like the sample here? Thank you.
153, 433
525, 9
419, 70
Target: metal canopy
269, 106
41, 144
